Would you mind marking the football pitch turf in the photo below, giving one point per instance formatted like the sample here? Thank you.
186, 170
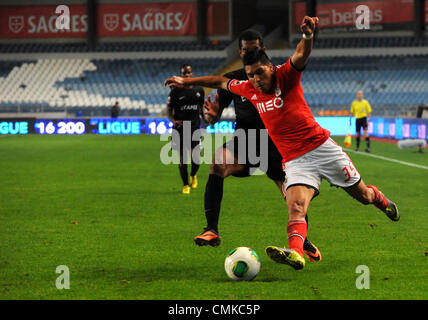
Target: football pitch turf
109, 210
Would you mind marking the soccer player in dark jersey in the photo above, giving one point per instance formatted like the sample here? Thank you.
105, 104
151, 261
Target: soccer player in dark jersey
226, 161
309, 154
185, 104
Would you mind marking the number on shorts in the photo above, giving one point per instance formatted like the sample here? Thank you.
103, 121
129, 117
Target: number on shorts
349, 172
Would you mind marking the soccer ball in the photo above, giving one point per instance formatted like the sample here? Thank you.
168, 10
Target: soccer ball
242, 264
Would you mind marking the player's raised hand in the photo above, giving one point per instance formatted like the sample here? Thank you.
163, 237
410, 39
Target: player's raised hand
174, 81
309, 24
212, 109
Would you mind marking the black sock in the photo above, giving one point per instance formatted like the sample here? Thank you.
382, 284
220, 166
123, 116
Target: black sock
183, 173
368, 142
358, 142
213, 197
194, 170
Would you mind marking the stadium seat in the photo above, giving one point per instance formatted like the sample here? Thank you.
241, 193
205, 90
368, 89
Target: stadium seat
387, 81
114, 46
92, 86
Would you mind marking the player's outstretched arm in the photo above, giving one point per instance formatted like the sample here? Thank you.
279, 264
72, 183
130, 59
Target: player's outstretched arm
216, 82
304, 48
214, 109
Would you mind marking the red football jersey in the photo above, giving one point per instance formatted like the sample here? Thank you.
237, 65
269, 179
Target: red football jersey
286, 116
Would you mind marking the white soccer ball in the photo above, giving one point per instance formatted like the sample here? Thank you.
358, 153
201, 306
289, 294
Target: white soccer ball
242, 264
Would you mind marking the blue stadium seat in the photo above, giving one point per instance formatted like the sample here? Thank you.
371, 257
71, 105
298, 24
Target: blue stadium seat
114, 46
91, 86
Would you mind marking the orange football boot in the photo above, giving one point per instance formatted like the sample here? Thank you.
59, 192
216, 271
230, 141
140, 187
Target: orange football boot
208, 237
311, 251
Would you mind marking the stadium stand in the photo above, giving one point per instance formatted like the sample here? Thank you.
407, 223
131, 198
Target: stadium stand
367, 42
90, 87
388, 82
113, 47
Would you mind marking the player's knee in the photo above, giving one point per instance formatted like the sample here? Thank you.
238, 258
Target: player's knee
297, 208
366, 197
219, 170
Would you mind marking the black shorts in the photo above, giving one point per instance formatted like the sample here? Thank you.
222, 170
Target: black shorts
361, 123
274, 167
182, 144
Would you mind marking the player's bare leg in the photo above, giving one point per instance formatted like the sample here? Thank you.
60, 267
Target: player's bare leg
298, 199
311, 250
224, 165
371, 195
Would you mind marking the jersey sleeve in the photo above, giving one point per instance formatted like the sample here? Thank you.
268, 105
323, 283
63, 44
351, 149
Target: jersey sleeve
289, 72
239, 87
171, 99
224, 98
201, 103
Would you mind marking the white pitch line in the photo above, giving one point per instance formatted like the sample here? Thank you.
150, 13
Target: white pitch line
389, 159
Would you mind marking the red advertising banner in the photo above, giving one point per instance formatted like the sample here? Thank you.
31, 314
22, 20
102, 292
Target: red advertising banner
114, 20
426, 15
384, 14
39, 22
156, 19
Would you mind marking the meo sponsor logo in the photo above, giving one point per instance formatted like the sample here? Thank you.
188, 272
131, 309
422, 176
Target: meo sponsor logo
276, 102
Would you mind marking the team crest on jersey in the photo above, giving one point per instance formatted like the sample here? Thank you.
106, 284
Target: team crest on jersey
198, 94
270, 105
237, 83
277, 92
254, 97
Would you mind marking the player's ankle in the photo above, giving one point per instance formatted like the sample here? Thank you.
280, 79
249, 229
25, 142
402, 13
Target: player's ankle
378, 198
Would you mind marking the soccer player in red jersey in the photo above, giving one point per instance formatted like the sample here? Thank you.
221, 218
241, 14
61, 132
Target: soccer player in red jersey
309, 154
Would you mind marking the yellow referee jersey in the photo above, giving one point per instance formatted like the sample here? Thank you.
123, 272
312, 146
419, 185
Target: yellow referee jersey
361, 108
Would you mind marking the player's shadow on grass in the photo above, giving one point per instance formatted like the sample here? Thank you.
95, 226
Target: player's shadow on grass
170, 272
258, 279
174, 273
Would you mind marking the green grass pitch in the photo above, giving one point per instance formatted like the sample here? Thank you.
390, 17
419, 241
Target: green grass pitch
109, 210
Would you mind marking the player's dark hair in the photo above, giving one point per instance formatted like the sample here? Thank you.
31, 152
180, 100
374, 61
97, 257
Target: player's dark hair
185, 65
256, 55
250, 35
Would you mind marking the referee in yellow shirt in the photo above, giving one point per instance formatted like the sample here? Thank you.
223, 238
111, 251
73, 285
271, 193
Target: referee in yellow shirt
361, 109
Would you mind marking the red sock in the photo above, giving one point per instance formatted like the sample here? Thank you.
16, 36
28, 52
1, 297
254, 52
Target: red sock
297, 230
380, 201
